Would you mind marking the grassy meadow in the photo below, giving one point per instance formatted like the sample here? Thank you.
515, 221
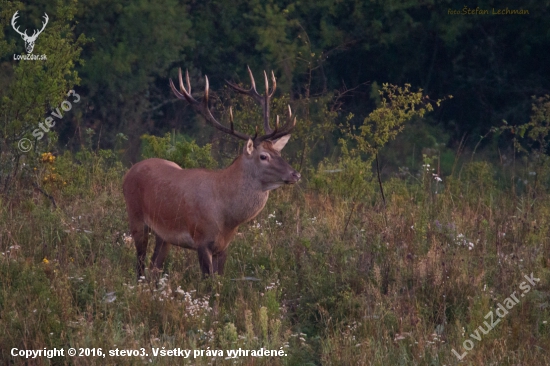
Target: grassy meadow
418, 235
329, 278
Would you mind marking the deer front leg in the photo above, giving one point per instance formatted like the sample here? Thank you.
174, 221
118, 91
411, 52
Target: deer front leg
205, 260
161, 251
140, 235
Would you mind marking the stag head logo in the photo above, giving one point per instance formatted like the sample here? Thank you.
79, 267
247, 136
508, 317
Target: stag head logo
29, 40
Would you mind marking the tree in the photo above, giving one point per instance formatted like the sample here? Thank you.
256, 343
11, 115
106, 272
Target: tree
30, 89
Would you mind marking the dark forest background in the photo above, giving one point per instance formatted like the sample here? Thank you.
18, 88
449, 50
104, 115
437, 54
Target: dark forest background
491, 64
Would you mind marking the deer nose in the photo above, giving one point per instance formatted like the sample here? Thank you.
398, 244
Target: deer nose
293, 177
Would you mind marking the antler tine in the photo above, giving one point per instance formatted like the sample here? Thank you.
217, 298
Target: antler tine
265, 106
187, 80
285, 130
290, 113
266, 85
182, 87
252, 82
263, 100
202, 108
206, 90
250, 92
175, 91
274, 81
276, 125
183, 93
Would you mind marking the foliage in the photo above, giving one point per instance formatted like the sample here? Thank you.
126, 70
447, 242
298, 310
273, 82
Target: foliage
178, 149
398, 105
532, 140
350, 177
50, 80
314, 47
535, 133
351, 174
318, 119
73, 175
135, 44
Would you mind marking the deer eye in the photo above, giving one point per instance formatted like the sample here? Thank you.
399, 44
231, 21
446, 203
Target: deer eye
263, 156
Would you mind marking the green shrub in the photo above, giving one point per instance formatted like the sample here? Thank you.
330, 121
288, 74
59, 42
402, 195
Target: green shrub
178, 149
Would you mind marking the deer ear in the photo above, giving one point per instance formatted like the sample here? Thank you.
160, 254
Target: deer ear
280, 143
249, 147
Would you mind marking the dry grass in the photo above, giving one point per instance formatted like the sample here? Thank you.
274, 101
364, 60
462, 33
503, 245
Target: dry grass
405, 293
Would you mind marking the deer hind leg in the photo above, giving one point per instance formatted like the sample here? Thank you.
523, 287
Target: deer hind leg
218, 262
161, 251
140, 233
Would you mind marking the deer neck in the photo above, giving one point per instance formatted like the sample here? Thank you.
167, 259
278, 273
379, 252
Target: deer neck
244, 195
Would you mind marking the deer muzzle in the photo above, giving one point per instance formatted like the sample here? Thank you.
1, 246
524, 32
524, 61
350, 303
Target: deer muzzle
294, 177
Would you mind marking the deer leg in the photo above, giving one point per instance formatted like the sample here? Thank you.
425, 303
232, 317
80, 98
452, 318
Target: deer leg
140, 234
159, 255
218, 262
205, 260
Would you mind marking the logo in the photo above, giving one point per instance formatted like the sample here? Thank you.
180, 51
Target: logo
29, 40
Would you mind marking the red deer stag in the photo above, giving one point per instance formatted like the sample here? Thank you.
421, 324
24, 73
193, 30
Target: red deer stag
201, 209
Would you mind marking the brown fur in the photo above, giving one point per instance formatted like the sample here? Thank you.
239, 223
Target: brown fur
201, 209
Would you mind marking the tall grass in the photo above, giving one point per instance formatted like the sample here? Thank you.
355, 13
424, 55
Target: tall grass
318, 274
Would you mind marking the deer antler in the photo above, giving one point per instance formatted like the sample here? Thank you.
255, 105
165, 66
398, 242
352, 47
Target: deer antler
202, 107
264, 101
287, 128
252, 92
